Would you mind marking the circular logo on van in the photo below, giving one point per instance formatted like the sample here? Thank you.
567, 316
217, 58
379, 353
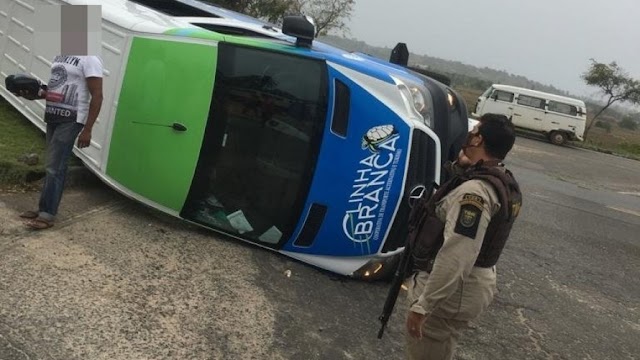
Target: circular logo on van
377, 135
58, 76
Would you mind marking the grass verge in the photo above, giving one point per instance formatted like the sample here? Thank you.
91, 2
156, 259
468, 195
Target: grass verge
18, 136
617, 141
629, 151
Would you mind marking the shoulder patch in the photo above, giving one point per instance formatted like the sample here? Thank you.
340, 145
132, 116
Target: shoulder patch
472, 199
469, 218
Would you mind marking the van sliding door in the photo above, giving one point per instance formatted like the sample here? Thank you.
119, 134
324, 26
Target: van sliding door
530, 113
161, 117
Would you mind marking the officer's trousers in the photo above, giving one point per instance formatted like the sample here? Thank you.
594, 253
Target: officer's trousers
443, 326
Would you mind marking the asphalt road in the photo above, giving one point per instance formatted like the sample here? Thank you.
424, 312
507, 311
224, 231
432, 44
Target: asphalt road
116, 280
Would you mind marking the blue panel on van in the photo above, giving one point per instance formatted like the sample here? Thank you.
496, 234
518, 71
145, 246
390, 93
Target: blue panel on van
358, 178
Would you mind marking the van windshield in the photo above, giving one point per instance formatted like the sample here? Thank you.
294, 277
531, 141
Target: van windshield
487, 92
261, 143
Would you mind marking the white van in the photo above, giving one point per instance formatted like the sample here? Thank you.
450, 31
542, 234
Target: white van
560, 118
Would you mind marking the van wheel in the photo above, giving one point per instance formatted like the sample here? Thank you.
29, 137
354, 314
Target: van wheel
558, 137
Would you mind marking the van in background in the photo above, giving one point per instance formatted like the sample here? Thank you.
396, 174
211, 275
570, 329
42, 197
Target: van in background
559, 118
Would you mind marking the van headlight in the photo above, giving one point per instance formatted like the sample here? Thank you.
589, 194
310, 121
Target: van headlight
417, 99
378, 268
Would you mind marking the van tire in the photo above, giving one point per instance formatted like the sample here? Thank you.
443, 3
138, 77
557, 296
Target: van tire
558, 137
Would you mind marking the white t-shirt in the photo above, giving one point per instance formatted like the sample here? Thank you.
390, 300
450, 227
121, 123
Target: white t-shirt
68, 96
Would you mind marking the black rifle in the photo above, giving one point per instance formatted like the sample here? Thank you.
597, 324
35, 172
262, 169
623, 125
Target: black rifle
406, 264
396, 285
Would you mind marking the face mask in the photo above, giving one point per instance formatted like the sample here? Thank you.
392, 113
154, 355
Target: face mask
467, 141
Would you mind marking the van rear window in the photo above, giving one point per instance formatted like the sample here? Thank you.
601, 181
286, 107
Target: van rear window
563, 108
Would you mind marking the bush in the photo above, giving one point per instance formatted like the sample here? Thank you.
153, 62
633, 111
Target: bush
628, 123
604, 125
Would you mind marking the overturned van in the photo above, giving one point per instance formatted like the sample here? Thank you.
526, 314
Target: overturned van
283, 142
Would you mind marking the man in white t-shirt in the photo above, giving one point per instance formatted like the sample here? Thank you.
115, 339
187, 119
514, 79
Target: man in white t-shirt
74, 99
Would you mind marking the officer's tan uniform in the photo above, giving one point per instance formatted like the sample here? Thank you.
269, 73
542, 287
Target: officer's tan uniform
455, 292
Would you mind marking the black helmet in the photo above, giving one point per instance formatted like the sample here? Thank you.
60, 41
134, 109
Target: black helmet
21, 82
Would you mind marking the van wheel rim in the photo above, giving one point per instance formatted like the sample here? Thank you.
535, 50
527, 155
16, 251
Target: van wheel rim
558, 138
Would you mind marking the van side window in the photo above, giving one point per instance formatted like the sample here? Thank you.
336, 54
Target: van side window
503, 96
563, 108
531, 101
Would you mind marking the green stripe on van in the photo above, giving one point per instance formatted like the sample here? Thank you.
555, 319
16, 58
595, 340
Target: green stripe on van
165, 82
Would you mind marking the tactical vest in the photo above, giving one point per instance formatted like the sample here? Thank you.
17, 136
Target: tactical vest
426, 231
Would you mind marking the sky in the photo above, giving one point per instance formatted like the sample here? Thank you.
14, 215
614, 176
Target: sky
549, 41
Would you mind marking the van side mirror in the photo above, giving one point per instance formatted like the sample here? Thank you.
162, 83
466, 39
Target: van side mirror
300, 27
400, 55
494, 97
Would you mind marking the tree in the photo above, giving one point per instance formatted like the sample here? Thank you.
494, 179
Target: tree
269, 10
614, 82
327, 14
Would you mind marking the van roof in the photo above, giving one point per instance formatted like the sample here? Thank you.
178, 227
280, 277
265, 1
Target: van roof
546, 95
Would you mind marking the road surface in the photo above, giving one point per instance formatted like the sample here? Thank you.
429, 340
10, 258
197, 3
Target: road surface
116, 280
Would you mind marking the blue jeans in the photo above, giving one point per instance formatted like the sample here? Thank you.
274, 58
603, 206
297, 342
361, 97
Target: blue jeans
60, 140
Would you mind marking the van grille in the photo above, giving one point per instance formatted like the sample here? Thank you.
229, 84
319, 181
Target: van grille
422, 169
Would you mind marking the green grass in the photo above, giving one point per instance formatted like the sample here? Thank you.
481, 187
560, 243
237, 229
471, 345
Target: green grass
18, 136
618, 141
631, 151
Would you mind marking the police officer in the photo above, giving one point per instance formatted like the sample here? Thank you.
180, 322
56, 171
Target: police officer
458, 237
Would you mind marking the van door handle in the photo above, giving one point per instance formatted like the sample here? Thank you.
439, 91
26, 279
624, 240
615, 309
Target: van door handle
555, 122
175, 126
178, 127
510, 107
537, 119
517, 115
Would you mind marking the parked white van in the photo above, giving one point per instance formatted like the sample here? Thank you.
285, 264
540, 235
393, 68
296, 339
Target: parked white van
560, 118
